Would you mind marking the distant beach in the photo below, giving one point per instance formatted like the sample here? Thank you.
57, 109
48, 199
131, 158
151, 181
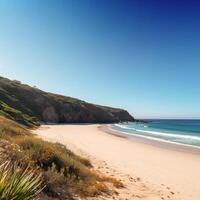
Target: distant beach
148, 171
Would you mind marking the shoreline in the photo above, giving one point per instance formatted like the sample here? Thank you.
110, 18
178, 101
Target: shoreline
161, 143
148, 171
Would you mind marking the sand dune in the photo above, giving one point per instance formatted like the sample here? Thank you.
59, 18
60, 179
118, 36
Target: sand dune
149, 172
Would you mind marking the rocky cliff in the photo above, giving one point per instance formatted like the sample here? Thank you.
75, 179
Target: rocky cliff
29, 105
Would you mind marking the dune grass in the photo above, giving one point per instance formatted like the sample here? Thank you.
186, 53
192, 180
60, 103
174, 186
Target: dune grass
63, 173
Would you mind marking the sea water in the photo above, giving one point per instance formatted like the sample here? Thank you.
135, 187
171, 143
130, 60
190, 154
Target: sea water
177, 131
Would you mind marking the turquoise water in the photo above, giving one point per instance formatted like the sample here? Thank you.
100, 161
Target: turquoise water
178, 131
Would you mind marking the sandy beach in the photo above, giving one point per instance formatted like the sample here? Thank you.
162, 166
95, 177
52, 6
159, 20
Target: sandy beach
148, 172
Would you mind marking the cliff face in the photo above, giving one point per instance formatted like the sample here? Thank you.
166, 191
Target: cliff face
30, 105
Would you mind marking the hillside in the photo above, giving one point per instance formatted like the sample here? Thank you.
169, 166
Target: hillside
30, 106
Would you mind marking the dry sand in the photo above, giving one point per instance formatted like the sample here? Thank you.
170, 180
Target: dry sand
148, 172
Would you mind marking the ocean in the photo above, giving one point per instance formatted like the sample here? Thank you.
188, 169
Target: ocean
185, 132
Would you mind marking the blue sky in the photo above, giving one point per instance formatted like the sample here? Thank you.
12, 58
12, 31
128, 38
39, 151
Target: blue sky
143, 56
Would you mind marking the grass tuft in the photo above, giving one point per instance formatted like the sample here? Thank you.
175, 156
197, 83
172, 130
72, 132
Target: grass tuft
18, 184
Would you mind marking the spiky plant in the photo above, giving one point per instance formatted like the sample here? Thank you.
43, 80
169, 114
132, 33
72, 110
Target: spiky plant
17, 184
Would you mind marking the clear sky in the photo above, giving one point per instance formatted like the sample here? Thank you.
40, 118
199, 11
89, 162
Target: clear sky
143, 56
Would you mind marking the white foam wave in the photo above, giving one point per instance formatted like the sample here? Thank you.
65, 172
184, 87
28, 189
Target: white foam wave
191, 137
157, 139
124, 127
163, 134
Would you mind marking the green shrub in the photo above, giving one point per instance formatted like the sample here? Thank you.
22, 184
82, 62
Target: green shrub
62, 148
63, 167
46, 154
